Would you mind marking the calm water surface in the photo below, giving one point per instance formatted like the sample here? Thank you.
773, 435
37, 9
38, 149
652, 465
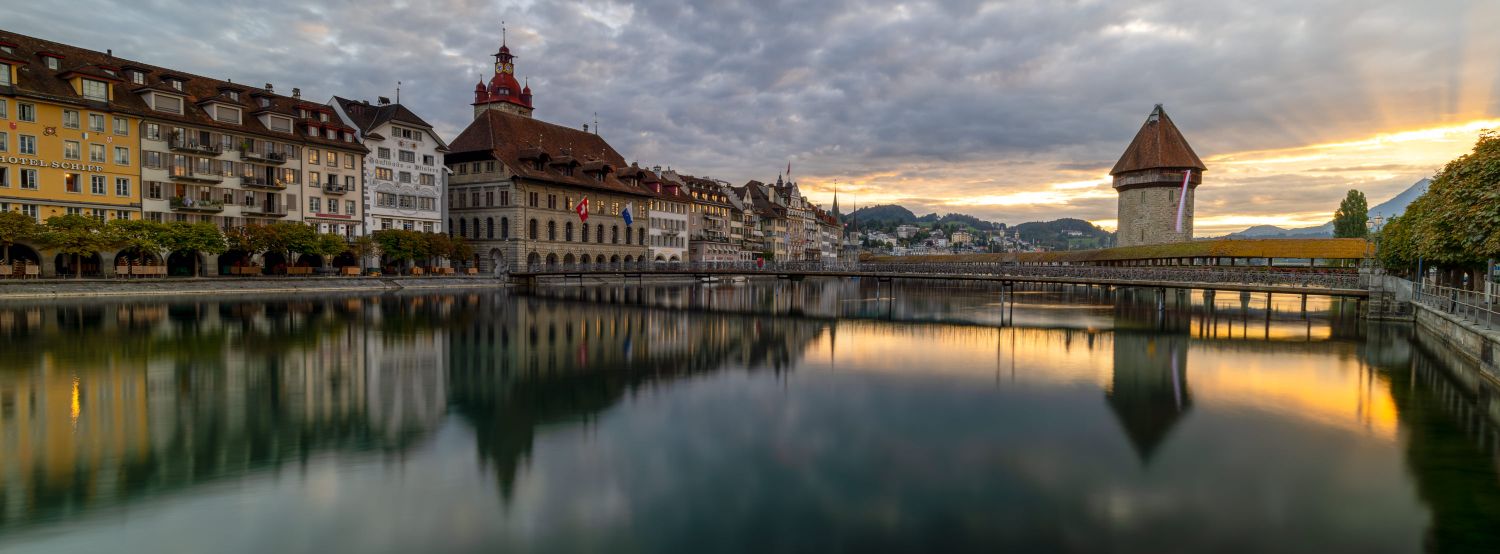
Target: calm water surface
816, 416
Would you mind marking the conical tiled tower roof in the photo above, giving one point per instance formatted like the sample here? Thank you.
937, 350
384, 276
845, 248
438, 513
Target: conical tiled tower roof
1157, 145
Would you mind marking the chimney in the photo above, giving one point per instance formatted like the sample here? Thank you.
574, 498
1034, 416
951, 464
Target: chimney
296, 92
269, 88
585, 127
110, 52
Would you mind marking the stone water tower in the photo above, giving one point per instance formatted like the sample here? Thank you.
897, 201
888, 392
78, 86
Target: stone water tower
1149, 177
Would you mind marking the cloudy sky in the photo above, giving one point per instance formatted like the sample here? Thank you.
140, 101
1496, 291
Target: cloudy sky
1012, 111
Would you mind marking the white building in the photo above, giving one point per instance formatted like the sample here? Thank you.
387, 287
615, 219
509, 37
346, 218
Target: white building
907, 231
404, 169
668, 225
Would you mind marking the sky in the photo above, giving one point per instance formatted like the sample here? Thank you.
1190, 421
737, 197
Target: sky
1011, 111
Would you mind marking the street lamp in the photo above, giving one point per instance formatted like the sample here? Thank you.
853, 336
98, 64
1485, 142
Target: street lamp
1374, 225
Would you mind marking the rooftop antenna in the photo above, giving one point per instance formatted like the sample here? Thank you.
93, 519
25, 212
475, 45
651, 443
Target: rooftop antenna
502, 32
398, 92
596, 123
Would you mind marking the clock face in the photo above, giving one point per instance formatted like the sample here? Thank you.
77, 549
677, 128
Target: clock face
499, 67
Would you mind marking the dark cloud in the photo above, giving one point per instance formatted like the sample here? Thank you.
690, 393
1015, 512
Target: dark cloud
929, 91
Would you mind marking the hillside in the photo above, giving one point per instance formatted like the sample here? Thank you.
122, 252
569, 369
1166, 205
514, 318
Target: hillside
1065, 234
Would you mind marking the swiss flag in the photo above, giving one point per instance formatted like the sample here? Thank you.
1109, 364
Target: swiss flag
583, 210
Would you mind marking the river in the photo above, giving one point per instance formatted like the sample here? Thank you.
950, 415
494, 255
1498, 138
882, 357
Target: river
774, 416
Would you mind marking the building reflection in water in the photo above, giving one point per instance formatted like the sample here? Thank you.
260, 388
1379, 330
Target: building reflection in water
106, 403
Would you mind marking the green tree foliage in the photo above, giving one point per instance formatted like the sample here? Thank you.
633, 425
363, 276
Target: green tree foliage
136, 237
400, 246
201, 238
1353, 213
77, 236
251, 239
16, 227
1457, 221
461, 251
329, 245
363, 247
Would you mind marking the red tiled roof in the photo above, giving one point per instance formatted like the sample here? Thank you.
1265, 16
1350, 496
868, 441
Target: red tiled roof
504, 136
1158, 145
36, 80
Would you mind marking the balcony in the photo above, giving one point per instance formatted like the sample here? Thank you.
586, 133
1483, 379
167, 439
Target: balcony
183, 173
196, 205
263, 157
262, 210
334, 189
262, 182
181, 144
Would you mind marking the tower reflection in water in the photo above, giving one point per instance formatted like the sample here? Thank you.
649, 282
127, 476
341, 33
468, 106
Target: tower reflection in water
107, 403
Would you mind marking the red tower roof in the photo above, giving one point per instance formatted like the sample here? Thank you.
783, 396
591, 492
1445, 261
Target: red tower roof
1158, 145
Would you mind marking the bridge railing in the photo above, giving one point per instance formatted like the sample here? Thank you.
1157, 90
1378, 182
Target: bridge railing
1179, 274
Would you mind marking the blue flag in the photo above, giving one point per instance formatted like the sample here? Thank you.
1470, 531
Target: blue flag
628, 208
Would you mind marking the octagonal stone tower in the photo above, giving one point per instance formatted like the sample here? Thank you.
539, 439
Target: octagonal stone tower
1148, 178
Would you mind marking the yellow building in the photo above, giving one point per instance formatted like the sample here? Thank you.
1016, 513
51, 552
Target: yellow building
67, 145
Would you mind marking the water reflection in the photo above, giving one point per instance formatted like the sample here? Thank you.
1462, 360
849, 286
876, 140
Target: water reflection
834, 413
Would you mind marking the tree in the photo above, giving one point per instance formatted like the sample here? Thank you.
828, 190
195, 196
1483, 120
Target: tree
76, 235
461, 250
251, 239
16, 227
287, 238
400, 246
363, 247
136, 235
1349, 221
201, 237
439, 245
329, 245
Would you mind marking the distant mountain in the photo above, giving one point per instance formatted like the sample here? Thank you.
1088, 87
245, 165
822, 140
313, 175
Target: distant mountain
1388, 209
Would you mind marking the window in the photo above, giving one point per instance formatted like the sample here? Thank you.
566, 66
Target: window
504, 198
137, 77
348, 161
227, 114
122, 126
383, 173
279, 124
169, 104
4, 109
153, 131
333, 159
71, 150
96, 122
504, 228
568, 232
384, 153
26, 112
4, 178
122, 186
28, 145
476, 167
175, 83
408, 156
348, 206
428, 179
314, 178
122, 155
5, 74
96, 184
489, 166
531, 229
30, 209
426, 203
405, 176
314, 205
313, 156
52, 63
153, 190
152, 161
70, 119
600, 234
428, 159
70, 183
349, 182
489, 198
463, 169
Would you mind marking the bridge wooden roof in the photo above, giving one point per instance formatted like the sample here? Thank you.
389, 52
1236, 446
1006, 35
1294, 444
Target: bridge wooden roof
1323, 249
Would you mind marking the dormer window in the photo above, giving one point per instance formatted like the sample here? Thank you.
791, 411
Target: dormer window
52, 63
95, 90
265, 102
7, 49
175, 84
137, 77
234, 95
323, 117
165, 103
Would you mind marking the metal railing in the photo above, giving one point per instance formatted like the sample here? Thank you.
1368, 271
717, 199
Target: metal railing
1467, 305
1218, 276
